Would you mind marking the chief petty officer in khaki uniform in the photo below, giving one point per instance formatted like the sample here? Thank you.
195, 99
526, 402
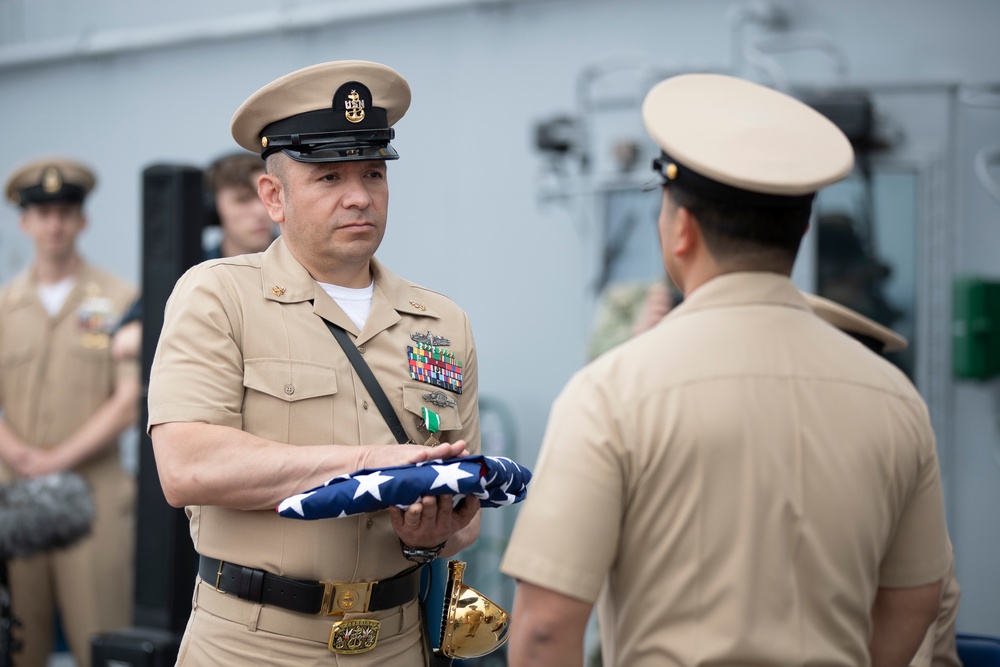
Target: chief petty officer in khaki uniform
252, 400
64, 402
742, 484
938, 648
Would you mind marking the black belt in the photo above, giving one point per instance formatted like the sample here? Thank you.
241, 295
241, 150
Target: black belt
309, 597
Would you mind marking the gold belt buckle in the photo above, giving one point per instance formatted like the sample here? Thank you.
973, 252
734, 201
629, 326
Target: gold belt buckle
218, 578
342, 598
355, 636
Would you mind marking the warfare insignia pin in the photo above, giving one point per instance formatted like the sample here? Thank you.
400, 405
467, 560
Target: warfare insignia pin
435, 366
430, 339
440, 399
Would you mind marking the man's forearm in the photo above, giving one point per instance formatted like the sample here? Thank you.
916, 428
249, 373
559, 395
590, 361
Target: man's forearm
208, 464
104, 426
11, 446
900, 618
547, 628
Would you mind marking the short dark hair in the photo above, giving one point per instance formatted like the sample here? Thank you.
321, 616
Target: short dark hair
748, 237
235, 170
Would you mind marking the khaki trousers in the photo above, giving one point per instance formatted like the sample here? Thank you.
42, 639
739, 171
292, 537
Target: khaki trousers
89, 582
224, 631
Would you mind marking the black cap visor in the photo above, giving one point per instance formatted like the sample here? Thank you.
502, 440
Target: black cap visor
340, 153
333, 146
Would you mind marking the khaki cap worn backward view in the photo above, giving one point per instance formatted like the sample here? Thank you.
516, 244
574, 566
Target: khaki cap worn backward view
726, 138
330, 112
50, 180
855, 323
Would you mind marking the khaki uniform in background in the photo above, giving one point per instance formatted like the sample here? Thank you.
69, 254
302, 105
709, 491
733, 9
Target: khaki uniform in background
618, 307
55, 372
243, 345
938, 648
741, 505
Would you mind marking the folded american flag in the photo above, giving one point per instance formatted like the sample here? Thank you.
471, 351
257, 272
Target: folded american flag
497, 481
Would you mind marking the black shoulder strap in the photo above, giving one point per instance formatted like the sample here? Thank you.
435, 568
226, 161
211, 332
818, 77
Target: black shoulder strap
371, 384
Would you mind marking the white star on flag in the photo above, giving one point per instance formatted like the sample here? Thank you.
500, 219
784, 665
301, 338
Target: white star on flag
449, 476
295, 503
508, 501
370, 483
494, 481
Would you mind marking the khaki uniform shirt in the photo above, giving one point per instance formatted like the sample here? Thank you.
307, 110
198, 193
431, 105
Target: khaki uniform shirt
735, 484
55, 372
243, 345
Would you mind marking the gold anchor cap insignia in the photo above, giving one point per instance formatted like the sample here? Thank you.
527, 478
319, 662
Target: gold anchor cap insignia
277, 290
51, 180
355, 106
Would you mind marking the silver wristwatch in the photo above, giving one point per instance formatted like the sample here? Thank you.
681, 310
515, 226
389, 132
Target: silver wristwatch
421, 555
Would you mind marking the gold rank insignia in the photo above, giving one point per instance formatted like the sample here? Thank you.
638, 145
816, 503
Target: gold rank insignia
355, 112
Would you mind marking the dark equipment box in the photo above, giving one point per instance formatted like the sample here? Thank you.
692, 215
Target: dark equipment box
135, 647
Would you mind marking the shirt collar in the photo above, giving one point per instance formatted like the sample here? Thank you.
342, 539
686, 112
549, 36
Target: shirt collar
285, 280
24, 288
740, 289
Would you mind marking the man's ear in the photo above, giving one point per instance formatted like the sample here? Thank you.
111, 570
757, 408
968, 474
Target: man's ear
687, 234
271, 191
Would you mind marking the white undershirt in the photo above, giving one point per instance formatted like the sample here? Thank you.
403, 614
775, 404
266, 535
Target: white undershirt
54, 296
357, 303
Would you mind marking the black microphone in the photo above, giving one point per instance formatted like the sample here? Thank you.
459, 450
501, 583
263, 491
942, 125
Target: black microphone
43, 513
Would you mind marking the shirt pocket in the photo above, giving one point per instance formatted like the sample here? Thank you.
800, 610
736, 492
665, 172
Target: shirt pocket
15, 373
89, 373
15, 357
449, 417
290, 401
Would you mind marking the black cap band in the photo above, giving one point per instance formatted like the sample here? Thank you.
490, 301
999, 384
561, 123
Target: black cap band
67, 193
672, 171
351, 129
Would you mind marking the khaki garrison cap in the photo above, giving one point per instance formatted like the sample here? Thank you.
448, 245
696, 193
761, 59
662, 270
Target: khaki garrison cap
330, 112
871, 333
728, 139
52, 180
